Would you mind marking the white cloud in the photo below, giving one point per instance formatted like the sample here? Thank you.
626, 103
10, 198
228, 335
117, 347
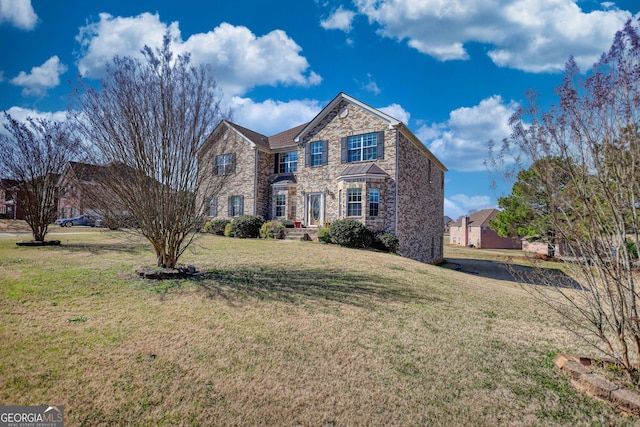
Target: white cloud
370, 85
20, 13
21, 114
282, 115
397, 112
240, 59
340, 19
41, 78
461, 142
461, 204
533, 36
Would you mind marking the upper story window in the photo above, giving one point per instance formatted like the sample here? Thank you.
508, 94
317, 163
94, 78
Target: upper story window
287, 162
316, 153
225, 164
362, 147
359, 148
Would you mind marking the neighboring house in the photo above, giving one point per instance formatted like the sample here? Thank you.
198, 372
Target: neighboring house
80, 190
447, 224
10, 207
474, 230
350, 161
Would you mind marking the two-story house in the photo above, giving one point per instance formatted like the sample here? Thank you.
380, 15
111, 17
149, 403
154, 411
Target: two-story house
474, 230
350, 161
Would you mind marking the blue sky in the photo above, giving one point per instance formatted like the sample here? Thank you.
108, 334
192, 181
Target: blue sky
452, 70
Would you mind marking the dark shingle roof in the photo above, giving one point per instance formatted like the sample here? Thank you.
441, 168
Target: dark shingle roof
275, 142
255, 137
285, 139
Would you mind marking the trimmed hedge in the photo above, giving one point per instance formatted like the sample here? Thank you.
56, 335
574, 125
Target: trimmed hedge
246, 226
385, 241
350, 233
216, 226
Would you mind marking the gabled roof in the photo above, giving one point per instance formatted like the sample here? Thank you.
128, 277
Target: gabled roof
343, 96
480, 219
392, 122
254, 137
285, 139
86, 171
361, 169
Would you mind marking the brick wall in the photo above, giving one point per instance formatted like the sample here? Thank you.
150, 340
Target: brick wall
240, 183
420, 204
323, 179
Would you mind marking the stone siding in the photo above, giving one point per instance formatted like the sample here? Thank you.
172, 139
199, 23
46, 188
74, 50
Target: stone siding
323, 179
421, 204
240, 183
419, 187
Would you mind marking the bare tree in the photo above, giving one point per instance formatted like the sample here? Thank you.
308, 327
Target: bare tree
34, 154
147, 123
594, 188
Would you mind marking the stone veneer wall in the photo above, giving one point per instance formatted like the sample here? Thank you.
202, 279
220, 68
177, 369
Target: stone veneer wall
240, 183
323, 179
421, 204
265, 168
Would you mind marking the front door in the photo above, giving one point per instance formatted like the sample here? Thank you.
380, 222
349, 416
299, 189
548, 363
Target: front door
315, 210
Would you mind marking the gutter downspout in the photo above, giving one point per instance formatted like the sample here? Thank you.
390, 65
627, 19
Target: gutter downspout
397, 176
255, 182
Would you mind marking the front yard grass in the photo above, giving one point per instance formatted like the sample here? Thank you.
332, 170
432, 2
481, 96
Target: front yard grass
276, 333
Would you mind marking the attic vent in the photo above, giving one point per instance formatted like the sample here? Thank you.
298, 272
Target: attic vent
344, 112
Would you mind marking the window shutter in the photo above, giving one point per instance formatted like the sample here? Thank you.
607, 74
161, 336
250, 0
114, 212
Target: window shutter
344, 150
241, 205
230, 206
233, 163
276, 159
307, 154
215, 165
325, 152
380, 149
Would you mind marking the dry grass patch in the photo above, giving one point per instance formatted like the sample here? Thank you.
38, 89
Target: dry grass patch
276, 333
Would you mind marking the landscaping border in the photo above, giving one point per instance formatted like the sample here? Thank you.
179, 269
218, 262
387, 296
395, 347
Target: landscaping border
583, 378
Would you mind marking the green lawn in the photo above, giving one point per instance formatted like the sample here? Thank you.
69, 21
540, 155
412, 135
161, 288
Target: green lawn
277, 333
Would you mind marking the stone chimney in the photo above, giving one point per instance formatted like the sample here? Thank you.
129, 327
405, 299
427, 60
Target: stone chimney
464, 223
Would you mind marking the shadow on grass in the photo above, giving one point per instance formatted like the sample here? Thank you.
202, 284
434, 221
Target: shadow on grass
115, 246
300, 285
496, 270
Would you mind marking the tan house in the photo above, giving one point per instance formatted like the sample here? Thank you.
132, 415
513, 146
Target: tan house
81, 190
474, 230
350, 161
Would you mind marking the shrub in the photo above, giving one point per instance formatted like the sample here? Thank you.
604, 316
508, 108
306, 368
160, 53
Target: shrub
228, 231
287, 223
324, 235
385, 241
246, 226
271, 229
216, 226
350, 233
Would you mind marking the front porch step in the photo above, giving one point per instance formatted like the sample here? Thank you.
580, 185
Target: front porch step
301, 233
